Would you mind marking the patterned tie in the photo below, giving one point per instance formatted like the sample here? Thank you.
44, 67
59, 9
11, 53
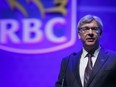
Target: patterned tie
88, 69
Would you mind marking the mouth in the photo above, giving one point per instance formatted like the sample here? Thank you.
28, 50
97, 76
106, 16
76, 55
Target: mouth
90, 39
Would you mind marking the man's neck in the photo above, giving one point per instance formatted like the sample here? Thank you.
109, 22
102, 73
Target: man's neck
91, 49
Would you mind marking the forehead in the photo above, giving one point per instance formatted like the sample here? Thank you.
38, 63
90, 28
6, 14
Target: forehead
91, 24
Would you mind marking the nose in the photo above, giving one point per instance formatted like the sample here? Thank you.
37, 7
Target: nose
91, 33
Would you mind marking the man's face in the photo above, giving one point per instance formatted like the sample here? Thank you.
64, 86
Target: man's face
89, 34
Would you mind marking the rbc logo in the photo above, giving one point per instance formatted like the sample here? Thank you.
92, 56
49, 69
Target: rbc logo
37, 26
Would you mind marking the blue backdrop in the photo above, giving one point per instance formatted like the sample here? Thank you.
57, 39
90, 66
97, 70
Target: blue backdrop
41, 68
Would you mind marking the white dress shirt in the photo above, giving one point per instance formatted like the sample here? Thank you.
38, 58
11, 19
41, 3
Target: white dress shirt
83, 62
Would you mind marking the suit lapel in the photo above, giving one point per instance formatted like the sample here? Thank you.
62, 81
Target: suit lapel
75, 66
102, 58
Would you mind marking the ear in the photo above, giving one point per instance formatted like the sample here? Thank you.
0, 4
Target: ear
100, 35
79, 36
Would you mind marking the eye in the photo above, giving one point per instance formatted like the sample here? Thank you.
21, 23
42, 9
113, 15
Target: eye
94, 28
85, 28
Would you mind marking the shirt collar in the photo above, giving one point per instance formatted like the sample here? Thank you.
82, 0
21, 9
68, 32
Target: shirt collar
84, 53
95, 53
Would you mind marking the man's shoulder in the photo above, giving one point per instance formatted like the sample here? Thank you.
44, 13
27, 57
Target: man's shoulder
72, 56
109, 52
112, 53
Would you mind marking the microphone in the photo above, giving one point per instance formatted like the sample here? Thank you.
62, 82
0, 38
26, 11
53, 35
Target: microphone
62, 84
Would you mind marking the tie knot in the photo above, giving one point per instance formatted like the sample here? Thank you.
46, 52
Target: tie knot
89, 55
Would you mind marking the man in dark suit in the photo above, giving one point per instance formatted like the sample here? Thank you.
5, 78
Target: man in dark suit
92, 66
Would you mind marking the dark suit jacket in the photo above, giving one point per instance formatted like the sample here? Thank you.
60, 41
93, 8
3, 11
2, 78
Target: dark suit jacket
103, 73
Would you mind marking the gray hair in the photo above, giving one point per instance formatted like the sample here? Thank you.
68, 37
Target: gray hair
88, 19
